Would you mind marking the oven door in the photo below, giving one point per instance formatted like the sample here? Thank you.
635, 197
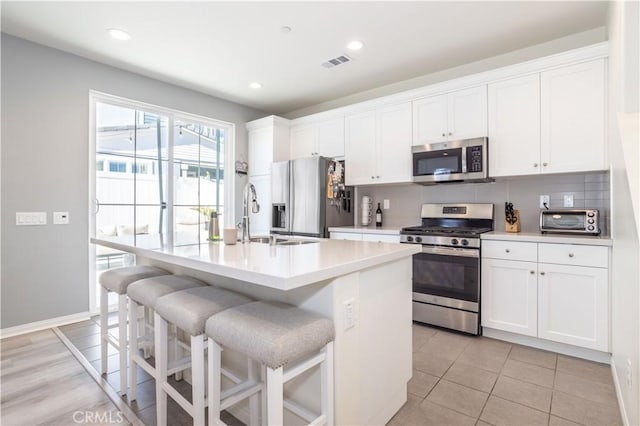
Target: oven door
448, 277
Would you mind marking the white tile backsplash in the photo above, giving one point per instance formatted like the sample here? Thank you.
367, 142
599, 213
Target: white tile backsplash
589, 190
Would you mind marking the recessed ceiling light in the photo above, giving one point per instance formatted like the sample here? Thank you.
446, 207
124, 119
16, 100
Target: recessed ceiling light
255, 85
355, 45
118, 34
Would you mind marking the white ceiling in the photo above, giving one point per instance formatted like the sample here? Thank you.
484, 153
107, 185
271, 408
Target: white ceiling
220, 47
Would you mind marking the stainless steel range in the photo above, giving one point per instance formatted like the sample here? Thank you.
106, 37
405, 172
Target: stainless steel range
446, 275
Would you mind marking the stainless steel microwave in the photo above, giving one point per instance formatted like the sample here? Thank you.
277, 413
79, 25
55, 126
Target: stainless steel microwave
584, 221
453, 161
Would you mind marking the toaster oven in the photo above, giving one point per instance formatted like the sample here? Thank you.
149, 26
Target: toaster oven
579, 221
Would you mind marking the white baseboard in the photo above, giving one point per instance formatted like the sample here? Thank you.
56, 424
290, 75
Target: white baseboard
42, 325
616, 382
547, 345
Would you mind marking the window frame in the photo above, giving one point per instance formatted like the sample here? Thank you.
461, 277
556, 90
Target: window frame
172, 115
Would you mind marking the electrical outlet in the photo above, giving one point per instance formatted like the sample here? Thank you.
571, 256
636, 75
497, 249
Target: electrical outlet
385, 204
349, 314
544, 199
60, 218
568, 200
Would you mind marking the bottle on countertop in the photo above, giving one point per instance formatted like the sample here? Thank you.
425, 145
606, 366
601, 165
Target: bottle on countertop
378, 217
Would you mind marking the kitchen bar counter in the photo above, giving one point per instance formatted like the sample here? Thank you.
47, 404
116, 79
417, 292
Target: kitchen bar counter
364, 287
537, 237
283, 267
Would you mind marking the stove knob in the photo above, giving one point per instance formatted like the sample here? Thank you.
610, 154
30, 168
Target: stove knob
409, 239
418, 239
464, 242
454, 242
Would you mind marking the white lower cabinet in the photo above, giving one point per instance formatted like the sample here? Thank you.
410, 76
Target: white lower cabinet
510, 296
354, 236
366, 236
573, 305
551, 294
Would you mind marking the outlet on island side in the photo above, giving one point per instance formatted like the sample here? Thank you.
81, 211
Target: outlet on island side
349, 314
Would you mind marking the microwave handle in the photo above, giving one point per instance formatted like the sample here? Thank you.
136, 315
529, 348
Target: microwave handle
464, 159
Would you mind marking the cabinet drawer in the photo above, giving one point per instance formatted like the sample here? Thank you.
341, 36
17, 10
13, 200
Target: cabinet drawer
355, 236
571, 254
384, 238
510, 250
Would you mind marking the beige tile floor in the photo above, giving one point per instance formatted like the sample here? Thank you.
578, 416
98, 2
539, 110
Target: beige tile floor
465, 380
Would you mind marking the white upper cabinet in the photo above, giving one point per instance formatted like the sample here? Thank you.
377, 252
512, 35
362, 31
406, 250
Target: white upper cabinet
325, 138
573, 118
360, 151
514, 126
457, 115
378, 146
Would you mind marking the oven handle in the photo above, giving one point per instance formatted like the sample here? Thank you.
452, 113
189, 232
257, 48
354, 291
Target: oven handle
462, 252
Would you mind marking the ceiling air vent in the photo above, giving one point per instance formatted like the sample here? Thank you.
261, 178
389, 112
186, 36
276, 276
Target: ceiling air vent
334, 62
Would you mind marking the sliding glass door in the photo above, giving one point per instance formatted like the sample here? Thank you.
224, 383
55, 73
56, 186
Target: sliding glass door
157, 176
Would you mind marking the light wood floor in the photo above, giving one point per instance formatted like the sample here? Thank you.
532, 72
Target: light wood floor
42, 383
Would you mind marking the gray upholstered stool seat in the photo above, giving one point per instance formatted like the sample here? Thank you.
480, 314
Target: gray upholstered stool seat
189, 310
146, 292
117, 280
286, 341
272, 333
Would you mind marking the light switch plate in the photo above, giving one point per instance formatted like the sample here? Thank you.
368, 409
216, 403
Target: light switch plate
568, 200
60, 218
31, 218
385, 204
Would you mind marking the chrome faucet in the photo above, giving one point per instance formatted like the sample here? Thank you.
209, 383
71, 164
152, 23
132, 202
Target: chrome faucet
249, 192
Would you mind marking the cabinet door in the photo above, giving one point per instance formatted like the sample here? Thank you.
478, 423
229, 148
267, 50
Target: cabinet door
303, 141
394, 143
360, 149
381, 238
467, 113
260, 151
330, 138
573, 116
573, 305
510, 296
430, 120
354, 236
260, 223
514, 126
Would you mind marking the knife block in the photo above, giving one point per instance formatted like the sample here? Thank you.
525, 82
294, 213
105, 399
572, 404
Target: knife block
513, 227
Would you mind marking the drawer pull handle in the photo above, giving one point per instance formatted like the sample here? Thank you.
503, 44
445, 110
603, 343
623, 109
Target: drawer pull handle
532, 272
507, 251
541, 273
570, 254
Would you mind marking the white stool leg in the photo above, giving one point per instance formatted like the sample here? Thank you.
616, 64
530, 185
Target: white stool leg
104, 329
133, 349
160, 332
176, 350
275, 403
263, 395
254, 400
122, 341
326, 384
145, 331
215, 363
198, 379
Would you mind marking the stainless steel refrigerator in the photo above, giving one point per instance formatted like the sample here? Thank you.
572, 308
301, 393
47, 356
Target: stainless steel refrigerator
301, 202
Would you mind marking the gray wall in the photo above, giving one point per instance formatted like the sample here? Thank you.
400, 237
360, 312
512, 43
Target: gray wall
45, 154
589, 190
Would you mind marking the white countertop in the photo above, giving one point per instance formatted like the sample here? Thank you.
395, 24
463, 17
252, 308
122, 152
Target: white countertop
280, 267
360, 229
537, 237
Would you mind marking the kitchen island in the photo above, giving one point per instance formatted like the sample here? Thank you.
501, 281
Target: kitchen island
364, 287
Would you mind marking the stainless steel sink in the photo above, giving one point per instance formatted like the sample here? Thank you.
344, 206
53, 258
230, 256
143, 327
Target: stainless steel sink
296, 242
265, 240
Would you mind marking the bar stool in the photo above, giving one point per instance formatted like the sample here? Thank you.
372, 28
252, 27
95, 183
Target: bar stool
277, 335
146, 292
188, 310
117, 281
